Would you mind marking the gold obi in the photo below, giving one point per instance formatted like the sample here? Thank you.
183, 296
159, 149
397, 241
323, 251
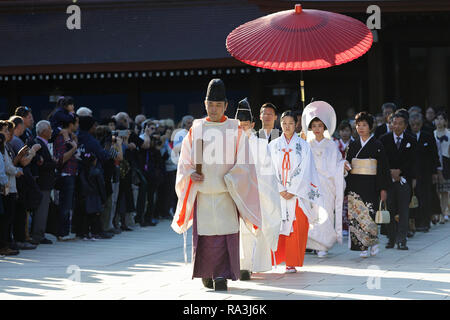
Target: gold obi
364, 166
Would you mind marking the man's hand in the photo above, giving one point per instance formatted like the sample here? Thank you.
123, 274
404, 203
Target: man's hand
36, 147
347, 166
286, 195
19, 174
395, 174
119, 141
22, 152
383, 195
197, 177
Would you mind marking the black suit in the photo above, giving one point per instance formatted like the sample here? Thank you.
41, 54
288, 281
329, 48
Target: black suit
399, 195
427, 164
46, 182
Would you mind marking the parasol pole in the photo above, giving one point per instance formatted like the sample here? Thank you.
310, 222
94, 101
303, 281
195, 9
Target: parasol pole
302, 88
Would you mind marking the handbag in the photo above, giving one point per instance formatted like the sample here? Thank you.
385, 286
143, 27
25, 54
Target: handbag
414, 202
382, 216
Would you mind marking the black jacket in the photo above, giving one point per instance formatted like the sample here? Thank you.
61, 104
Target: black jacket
404, 158
427, 155
46, 171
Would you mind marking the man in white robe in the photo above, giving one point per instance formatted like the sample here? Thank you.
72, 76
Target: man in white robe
256, 244
215, 186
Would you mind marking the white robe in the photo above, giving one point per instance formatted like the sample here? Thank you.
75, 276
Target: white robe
330, 166
296, 174
256, 245
230, 183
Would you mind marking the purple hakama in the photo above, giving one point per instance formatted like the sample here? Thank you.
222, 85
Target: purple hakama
215, 256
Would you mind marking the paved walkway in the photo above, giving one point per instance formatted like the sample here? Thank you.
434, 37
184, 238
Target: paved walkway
148, 263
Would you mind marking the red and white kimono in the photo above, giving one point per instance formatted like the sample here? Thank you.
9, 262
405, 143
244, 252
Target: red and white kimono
296, 174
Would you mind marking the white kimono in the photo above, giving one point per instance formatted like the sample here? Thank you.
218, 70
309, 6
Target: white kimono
256, 244
230, 184
296, 174
330, 166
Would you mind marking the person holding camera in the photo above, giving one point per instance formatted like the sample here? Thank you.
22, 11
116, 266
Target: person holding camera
9, 192
152, 167
87, 143
64, 151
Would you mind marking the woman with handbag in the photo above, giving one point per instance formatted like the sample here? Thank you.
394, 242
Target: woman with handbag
367, 183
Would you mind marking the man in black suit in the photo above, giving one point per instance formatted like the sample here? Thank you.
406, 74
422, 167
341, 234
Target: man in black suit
427, 164
45, 165
268, 116
400, 148
388, 108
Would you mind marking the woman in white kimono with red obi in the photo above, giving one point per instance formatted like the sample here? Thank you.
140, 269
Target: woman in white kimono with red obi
320, 119
300, 191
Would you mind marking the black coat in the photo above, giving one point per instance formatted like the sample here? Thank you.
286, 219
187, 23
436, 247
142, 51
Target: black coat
46, 174
404, 158
427, 155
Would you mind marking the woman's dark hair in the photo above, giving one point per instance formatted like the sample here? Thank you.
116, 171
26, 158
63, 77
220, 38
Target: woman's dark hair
289, 113
73, 120
2, 143
443, 114
16, 120
5, 123
315, 120
344, 124
365, 116
64, 102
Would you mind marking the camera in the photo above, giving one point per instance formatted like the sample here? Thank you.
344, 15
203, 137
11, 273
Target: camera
119, 133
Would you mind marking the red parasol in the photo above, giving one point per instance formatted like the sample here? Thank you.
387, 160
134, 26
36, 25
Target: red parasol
299, 39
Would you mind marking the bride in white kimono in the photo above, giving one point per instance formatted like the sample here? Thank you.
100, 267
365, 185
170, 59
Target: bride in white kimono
320, 119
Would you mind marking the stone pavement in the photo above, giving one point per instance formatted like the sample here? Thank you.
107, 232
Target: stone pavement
148, 263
